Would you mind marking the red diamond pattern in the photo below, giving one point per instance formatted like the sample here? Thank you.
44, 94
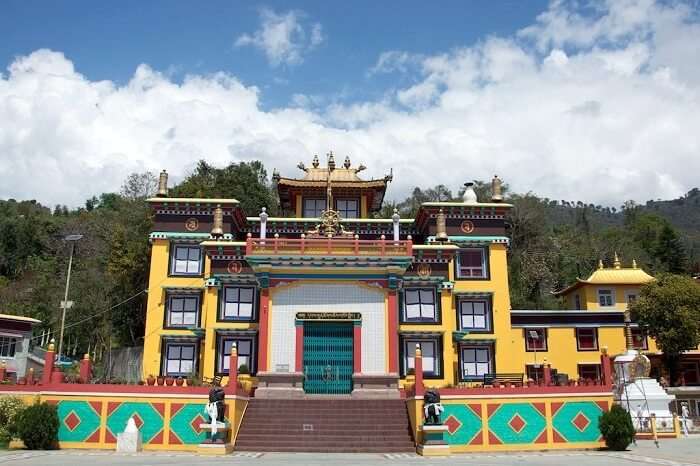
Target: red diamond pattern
71, 421
196, 422
137, 420
517, 423
452, 424
581, 422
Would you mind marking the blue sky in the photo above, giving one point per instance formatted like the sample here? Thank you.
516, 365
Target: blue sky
108, 40
592, 100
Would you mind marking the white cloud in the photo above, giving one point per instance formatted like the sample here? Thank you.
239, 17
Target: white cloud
283, 37
612, 119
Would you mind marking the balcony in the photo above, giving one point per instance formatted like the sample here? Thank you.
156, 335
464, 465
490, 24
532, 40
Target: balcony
328, 247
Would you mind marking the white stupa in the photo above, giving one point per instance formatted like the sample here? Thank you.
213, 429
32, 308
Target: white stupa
635, 391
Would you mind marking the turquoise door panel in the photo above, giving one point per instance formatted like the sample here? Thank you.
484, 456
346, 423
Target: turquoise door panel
328, 357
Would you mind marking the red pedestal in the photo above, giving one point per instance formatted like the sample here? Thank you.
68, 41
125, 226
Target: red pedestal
2, 371
48, 367
547, 375
393, 332
299, 350
232, 387
418, 366
357, 349
263, 334
606, 369
57, 376
85, 369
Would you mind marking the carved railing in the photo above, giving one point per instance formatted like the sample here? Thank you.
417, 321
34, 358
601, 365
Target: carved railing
328, 246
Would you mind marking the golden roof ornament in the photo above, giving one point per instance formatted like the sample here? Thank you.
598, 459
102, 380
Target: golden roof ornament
217, 230
163, 184
346, 164
600, 264
496, 189
441, 229
634, 263
314, 163
329, 225
331, 164
616, 262
302, 167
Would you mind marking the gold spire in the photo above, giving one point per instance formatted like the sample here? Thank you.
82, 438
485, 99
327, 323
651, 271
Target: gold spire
616, 262
634, 264
441, 230
600, 264
628, 331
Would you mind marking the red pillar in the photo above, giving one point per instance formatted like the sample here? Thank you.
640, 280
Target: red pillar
85, 369
3, 368
299, 350
30, 376
48, 363
547, 375
357, 348
263, 334
393, 332
606, 368
418, 367
232, 386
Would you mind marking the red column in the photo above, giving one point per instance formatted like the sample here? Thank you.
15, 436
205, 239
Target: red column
357, 348
418, 367
263, 334
3, 368
232, 386
30, 376
393, 332
547, 375
606, 369
48, 363
299, 350
85, 369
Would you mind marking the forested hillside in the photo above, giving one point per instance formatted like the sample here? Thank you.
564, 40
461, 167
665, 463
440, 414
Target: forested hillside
553, 242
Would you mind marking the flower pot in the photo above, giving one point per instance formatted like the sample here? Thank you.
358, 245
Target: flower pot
245, 381
169, 381
151, 380
161, 381
179, 381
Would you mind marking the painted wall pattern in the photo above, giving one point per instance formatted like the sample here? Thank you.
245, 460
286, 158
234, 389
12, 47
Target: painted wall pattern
546, 423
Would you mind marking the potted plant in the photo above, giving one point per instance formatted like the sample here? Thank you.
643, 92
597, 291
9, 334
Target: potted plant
179, 381
151, 380
169, 381
160, 380
193, 381
244, 378
410, 377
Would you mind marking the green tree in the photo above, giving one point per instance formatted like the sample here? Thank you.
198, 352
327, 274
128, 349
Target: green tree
668, 310
670, 251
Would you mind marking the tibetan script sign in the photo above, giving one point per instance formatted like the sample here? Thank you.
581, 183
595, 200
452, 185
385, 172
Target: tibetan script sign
328, 316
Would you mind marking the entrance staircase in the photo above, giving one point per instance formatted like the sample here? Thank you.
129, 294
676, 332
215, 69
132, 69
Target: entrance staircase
325, 425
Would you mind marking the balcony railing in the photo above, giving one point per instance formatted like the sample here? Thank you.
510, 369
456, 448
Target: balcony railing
328, 246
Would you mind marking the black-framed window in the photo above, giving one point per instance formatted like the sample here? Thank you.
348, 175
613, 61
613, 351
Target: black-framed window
186, 259
472, 263
535, 339
639, 339
420, 305
431, 351
606, 297
475, 361
182, 310
589, 371
534, 372
348, 208
8, 346
245, 346
587, 339
475, 314
180, 359
237, 303
313, 207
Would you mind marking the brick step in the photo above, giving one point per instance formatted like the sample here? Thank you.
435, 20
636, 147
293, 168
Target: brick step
324, 420
321, 444
309, 436
338, 449
271, 429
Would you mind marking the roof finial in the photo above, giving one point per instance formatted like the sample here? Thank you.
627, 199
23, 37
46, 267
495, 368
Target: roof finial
600, 264
346, 164
314, 163
616, 262
634, 263
331, 162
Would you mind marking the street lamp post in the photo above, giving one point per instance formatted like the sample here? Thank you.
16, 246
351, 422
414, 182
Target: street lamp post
65, 304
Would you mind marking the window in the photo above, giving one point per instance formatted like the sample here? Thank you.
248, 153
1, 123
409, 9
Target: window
535, 373
471, 263
179, 359
419, 305
238, 303
690, 373
589, 371
8, 346
245, 347
631, 297
606, 298
183, 311
587, 339
430, 350
535, 339
314, 207
476, 361
474, 315
347, 208
186, 260
577, 302
639, 340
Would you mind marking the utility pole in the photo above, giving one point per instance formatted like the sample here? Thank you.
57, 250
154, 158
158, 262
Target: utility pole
65, 304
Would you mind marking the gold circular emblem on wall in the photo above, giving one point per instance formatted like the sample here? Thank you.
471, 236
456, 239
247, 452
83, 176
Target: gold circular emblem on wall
234, 267
191, 224
424, 270
467, 226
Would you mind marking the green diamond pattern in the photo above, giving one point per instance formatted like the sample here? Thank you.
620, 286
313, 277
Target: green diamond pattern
181, 424
152, 420
471, 424
500, 423
89, 421
563, 421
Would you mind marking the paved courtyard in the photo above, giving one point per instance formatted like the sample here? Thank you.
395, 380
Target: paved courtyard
680, 452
